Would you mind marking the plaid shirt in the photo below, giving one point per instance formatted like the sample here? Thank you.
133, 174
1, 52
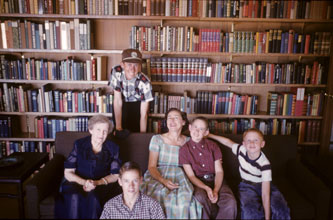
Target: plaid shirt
137, 89
144, 208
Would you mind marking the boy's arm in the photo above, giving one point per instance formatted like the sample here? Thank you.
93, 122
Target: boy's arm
219, 174
265, 195
196, 181
225, 141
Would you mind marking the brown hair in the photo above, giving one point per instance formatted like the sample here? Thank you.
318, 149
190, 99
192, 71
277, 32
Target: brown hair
202, 119
253, 130
183, 115
99, 119
130, 165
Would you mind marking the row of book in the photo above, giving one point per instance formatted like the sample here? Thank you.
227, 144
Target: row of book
46, 127
44, 69
187, 8
187, 69
306, 130
45, 99
273, 73
5, 126
9, 147
188, 39
293, 9
299, 104
62, 35
206, 102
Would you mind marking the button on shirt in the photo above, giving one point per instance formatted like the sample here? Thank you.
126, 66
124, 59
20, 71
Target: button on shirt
201, 156
137, 89
145, 207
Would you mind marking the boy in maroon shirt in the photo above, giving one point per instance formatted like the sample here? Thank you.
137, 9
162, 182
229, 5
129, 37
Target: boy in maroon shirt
202, 161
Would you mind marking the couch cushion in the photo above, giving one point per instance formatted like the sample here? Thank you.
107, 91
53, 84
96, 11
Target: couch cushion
46, 207
299, 206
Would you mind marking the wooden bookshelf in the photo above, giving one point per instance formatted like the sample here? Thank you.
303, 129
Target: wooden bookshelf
110, 35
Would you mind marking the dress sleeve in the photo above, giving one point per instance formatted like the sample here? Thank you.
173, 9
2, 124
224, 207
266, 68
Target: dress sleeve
72, 158
155, 143
217, 152
116, 162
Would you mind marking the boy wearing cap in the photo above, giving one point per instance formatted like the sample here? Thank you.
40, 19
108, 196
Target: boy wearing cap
132, 94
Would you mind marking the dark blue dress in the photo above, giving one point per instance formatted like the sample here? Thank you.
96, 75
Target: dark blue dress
75, 202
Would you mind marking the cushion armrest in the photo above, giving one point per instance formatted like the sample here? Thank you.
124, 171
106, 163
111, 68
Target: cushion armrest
310, 186
43, 184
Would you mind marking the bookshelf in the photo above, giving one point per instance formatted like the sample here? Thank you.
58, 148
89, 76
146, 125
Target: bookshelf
105, 43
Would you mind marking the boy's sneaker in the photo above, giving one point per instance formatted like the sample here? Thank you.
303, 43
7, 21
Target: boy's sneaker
122, 134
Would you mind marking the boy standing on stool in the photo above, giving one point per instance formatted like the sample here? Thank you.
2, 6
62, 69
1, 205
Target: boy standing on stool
258, 197
202, 161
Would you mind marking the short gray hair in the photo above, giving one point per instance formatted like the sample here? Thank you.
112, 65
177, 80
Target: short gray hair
100, 119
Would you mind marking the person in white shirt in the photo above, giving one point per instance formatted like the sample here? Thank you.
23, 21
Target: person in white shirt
258, 197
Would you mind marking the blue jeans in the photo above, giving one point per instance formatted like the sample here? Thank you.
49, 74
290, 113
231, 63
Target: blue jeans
251, 202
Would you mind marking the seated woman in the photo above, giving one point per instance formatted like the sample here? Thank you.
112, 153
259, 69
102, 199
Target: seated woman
91, 172
165, 180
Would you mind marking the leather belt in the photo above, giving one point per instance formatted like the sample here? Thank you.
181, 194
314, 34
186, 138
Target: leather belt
249, 182
208, 177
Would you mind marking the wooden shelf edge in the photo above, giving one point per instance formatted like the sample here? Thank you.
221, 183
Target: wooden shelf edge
236, 84
160, 53
91, 52
104, 82
227, 116
135, 17
27, 139
64, 114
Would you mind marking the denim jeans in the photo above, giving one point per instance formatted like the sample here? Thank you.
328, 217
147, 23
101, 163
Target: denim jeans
251, 202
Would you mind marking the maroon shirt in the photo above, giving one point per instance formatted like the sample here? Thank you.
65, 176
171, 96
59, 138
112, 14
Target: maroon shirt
201, 156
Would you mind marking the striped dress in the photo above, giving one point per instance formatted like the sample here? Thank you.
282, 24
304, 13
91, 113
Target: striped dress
178, 203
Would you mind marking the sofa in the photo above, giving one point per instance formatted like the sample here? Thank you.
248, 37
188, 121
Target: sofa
307, 196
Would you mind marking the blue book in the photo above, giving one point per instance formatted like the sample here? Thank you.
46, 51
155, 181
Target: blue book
87, 102
41, 70
53, 128
37, 36
56, 100
49, 128
45, 127
2, 127
283, 35
32, 147
69, 101
57, 126
26, 146
34, 100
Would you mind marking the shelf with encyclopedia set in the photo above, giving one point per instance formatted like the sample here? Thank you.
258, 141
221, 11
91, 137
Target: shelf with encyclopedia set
106, 43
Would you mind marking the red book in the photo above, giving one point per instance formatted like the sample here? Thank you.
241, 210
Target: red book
291, 41
93, 70
76, 107
255, 8
314, 73
250, 9
307, 43
61, 102
195, 4
246, 9
289, 9
148, 8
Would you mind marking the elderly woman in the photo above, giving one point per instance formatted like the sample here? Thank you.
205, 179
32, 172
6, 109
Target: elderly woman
91, 171
165, 180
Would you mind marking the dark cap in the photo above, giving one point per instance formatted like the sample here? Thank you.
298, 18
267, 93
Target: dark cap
131, 56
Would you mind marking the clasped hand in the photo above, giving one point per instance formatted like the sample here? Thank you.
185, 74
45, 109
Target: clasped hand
212, 195
170, 185
89, 185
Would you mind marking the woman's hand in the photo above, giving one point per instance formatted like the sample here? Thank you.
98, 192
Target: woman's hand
89, 185
170, 185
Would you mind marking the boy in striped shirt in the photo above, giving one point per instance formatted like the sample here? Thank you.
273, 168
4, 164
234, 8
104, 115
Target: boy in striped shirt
256, 174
